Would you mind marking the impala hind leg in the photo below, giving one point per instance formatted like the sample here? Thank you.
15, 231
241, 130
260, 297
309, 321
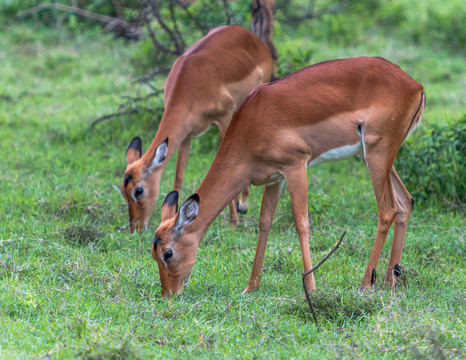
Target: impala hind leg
379, 170
181, 163
297, 187
269, 205
404, 205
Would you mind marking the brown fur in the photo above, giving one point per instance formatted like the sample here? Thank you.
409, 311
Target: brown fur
203, 88
281, 127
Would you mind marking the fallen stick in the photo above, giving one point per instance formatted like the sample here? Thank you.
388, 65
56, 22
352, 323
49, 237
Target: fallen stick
315, 268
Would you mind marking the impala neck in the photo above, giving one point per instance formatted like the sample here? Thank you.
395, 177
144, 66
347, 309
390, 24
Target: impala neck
172, 126
221, 185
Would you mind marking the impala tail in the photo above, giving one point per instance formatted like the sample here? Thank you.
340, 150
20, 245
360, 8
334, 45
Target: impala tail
417, 116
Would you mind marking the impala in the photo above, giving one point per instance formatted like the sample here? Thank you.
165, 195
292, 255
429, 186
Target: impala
203, 88
325, 112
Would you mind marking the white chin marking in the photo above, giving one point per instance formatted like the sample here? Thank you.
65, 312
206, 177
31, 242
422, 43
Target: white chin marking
186, 281
339, 153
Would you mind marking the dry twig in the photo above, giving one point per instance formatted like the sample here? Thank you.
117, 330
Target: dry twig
146, 78
315, 268
132, 106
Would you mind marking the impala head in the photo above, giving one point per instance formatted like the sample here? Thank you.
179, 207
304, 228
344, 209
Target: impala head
174, 248
140, 185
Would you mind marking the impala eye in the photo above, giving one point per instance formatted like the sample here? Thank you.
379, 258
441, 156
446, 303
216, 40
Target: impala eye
167, 255
138, 191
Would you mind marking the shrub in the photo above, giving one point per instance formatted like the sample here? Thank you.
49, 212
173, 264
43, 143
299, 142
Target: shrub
433, 170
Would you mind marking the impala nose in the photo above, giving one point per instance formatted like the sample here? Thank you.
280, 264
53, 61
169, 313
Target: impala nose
141, 230
138, 228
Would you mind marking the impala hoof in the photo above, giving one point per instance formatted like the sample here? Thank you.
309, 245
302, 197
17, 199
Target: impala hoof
373, 277
247, 291
397, 276
397, 270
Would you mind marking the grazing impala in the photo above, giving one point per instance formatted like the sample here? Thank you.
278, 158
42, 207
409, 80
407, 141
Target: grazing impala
325, 112
204, 87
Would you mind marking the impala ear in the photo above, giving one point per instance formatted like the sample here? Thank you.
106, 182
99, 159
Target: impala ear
159, 155
170, 205
134, 150
188, 212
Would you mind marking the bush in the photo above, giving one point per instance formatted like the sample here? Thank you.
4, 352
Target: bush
425, 22
433, 170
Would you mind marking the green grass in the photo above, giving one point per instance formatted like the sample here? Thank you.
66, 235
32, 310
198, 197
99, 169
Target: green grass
74, 284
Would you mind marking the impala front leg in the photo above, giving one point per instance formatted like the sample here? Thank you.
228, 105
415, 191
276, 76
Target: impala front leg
269, 205
181, 162
222, 125
296, 180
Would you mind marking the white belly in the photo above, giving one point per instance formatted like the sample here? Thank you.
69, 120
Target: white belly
339, 153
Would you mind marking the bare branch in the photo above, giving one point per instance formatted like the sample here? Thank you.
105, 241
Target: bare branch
228, 12
123, 113
192, 17
122, 26
72, 9
315, 268
175, 36
132, 105
163, 24
154, 38
150, 76
133, 100
152, 9
180, 47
